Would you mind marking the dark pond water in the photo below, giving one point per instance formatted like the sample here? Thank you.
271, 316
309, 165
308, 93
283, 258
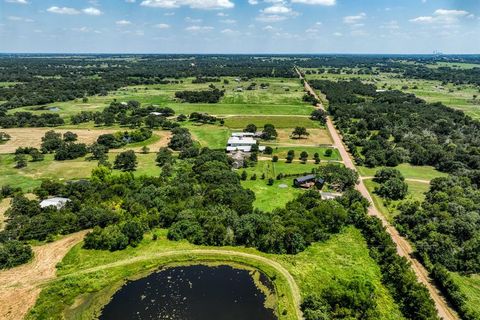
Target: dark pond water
190, 293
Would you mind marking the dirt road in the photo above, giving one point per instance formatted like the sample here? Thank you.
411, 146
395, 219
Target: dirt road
403, 246
20, 286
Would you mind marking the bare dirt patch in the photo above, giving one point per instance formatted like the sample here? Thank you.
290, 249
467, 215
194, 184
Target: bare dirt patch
20, 286
32, 137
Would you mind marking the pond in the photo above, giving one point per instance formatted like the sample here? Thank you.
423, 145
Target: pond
191, 293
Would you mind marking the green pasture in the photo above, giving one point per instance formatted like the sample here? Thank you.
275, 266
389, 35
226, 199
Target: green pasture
240, 122
408, 171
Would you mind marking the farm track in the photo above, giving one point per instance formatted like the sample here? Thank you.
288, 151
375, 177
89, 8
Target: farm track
404, 248
21, 286
214, 252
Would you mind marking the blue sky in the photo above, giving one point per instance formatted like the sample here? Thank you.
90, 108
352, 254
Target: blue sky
240, 26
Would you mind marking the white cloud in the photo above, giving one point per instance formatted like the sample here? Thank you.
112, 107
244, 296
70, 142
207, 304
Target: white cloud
17, 1
230, 32
442, 16
253, 2
199, 28
271, 18
228, 21
194, 4
63, 10
162, 26
92, 11
337, 34
277, 9
16, 18
316, 2
354, 19
123, 22
130, 1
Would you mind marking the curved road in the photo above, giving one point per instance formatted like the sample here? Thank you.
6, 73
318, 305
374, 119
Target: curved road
403, 246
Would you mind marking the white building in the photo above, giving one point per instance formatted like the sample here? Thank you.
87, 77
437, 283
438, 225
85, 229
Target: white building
242, 141
56, 202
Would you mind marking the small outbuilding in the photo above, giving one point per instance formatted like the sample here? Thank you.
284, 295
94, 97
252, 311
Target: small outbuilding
56, 202
308, 182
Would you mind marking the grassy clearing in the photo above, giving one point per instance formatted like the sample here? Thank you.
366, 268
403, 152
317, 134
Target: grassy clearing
416, 192
470, 286
240, 122
79, 293
212, 136
272, 197
30, 177
408, 171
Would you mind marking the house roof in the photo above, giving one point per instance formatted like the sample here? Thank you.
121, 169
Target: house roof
309, 178
56, 202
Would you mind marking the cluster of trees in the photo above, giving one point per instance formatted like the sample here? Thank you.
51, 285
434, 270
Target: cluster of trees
202, 118
392, 184
28, 119
393, 128
121, 138
319, 115
115, 237
64, 146
204, 96
446, 226
344, 91
14, 253
343, 300
205, 79
310, 98
129, 114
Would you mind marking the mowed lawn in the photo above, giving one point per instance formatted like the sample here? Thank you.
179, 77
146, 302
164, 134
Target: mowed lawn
344, 256
240, 122
211, 136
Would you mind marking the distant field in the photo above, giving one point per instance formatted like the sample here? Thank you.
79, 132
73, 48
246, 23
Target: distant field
240, 122
455, 96
211, 136
343, 257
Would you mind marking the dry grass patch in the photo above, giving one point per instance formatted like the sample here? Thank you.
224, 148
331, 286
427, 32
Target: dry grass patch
317, 137
32, 137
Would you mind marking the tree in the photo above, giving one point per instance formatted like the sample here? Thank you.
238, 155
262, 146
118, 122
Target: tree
4, 137
385, 174
319, 115
126, 161
328, 152
269, 132
164, 156
275, 159
251, 128
304, 156
299, 132
36, 155
51, 141
394, 189
268, 150
21, 161
14, 253
244, 175
145, 150
98, 151
316, 157
70, 136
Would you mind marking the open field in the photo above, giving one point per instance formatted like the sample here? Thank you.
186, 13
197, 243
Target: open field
98, 273
416, 192
470, 287
408, 171
32, 137
211, 136
317, 137
282, 97
240, 122
30, 177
